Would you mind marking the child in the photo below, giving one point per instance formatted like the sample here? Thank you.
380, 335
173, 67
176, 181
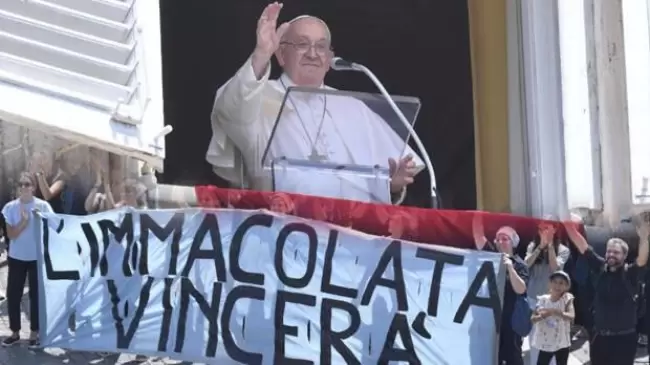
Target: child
552, 320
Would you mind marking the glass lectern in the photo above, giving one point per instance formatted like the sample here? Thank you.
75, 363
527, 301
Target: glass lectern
337, 144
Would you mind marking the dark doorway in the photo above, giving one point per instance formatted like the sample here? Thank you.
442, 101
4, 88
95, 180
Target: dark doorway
415, 47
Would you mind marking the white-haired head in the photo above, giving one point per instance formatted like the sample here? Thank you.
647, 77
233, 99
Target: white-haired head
305, 16
305, 53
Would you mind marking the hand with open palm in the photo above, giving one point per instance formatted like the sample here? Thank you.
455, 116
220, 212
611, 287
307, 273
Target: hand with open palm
402, 173
546, 235
268, 36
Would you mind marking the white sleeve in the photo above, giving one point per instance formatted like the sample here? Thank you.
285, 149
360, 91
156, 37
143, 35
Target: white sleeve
238, 101
47, 208
7, 213
562, 256
234, 114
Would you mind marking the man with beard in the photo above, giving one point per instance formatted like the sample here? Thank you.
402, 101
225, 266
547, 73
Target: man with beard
320, 127
614, 338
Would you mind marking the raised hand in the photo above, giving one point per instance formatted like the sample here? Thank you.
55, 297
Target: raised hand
643, 227
401, 172
268, 33
574, 235
546, 235
97, 167
478, 232
38, 164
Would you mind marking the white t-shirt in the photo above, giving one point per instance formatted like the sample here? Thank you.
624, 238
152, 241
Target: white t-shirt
25, 246
552, 333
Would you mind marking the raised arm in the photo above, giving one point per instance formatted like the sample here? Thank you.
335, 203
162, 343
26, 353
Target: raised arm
546, 235
644, 231
576, 238
478, 232
239, 100
108, 191
595, 261
89, 204
556, 254
50, 191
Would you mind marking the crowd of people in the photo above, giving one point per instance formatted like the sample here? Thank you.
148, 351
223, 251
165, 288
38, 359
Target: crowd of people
538, 302
69, 184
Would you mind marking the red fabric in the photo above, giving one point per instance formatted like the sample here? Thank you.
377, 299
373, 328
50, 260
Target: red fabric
442, 227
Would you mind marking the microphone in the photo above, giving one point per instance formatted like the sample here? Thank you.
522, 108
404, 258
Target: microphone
339, 64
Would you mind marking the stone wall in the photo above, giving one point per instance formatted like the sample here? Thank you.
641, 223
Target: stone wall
22, 149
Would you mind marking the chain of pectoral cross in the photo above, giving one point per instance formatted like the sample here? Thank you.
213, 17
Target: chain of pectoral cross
314, 155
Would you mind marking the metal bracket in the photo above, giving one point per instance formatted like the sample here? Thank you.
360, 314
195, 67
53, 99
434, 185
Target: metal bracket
163, 132
122, 113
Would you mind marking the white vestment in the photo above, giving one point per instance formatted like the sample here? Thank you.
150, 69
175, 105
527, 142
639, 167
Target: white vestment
243, 117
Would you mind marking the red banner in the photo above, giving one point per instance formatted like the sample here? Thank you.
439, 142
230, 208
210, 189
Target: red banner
442, 227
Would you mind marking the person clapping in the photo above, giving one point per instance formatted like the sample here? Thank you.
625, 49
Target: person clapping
552, 320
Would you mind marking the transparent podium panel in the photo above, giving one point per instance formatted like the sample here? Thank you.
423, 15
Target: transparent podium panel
345, 182
337, 143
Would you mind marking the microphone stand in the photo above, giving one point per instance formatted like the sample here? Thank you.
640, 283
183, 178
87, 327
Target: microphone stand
405, 122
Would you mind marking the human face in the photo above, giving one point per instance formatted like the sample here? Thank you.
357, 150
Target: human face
278, 205
558, 286
504, 242
305, 52
615, 256
546, 229
129, 195
25, 188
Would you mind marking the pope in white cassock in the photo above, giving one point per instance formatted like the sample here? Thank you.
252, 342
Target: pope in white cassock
334, 128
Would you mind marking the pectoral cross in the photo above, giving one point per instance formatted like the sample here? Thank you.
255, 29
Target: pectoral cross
315, 157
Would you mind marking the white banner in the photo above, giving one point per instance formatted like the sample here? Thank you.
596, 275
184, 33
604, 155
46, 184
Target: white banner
254, 287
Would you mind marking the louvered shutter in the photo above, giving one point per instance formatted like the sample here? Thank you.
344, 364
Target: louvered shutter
85, 70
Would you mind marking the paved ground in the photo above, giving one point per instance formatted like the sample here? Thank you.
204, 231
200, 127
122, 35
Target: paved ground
579, 356
21, 355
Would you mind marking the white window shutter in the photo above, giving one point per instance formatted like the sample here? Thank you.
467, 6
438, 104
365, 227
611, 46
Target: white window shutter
89, 71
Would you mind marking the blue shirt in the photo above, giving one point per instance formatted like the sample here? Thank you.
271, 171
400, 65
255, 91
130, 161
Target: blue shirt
24, 247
